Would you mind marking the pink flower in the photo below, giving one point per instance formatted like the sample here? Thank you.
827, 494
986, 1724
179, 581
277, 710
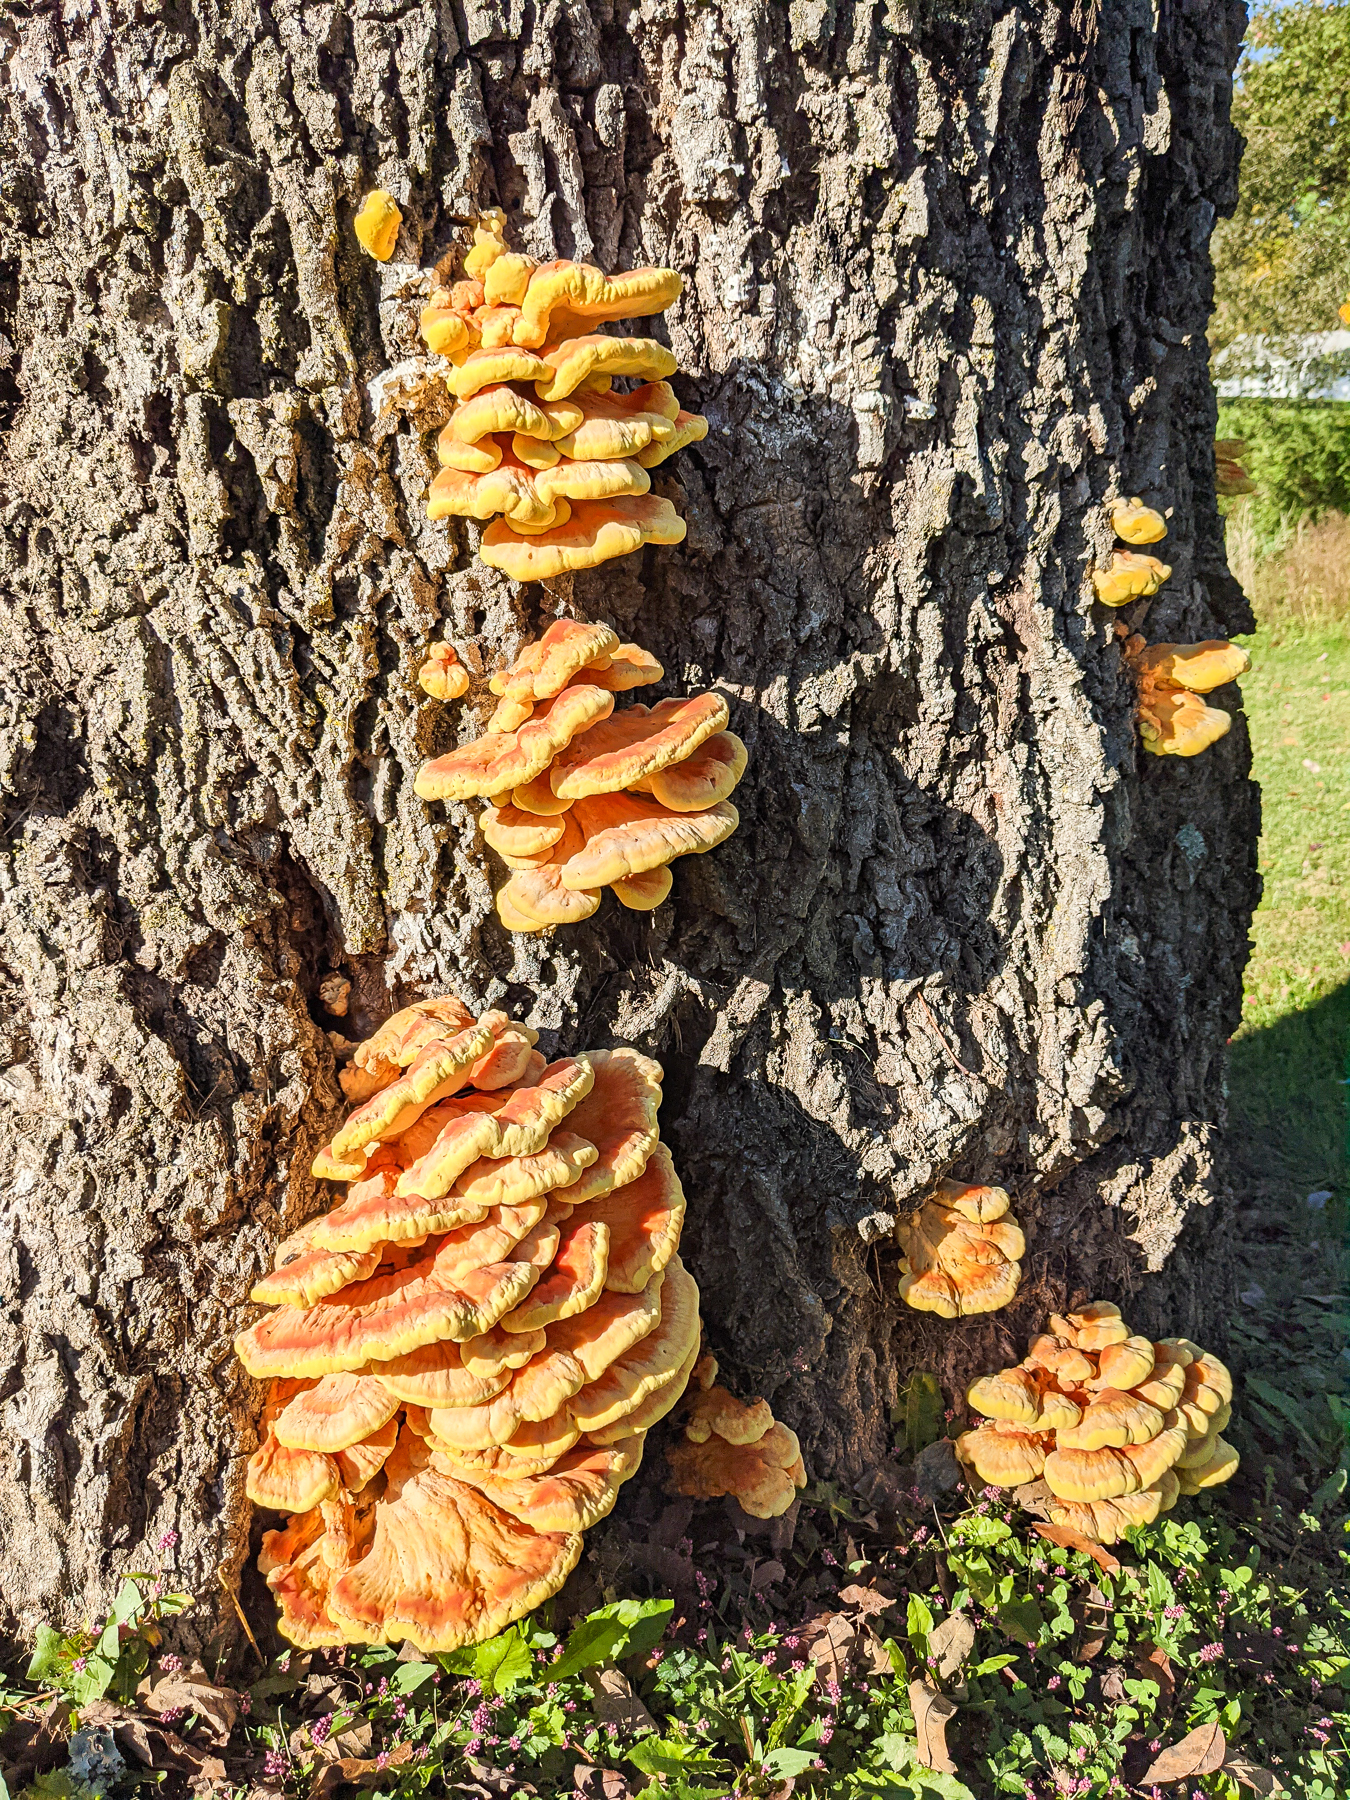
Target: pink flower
168, 1539
1053, 1681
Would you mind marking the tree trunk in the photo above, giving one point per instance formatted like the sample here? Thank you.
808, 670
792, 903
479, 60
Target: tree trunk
947, 282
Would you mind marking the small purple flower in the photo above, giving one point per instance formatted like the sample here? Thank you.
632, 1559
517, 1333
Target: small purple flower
1053, 1681
515, 1743
1211, 1653
79, 1665
168, 1540
382, 1760
569, 1706
171, 1715
246, 1704
826, 1733
275, 1766
319, 1730
170, 1663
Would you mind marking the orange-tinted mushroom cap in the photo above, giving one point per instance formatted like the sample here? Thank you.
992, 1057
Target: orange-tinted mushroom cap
500, 761
565, 297
501, 408
476, 458
446, 1567
963, 1252
287, 1480
659, 1403
645, 892
1064, 1361
437, 1073
619, 1116
574, 1494
1164, 1384
563, 654
763, 1477
1003, 1455
337, 1412
715, 1409
447, 329
1011, 1394
403, 1036
689, 428
645, 1218
1221, 1466
1107, 1521
701, 780
498, 1349
1129, 577
1124, 1365
629, 667
540, 894
596, 532
1112, 1418
1090, 1474
636, 743
301, 1564
627, 835
573, 1281
436, 1376
359, 1464
387, 1316
376, 224
1150, 1459
510, 1058
484, 368
621, 424
305, 1274
648, 1366
1093, 1327
515, 1124
1137, 523
443, 675
572, 362
1200, 668
1180, 725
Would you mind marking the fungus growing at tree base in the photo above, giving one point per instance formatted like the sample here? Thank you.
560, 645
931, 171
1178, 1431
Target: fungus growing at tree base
541, 441
1114, 1425
1168, 677
963, 1252
735, 1450
467, 1352
584, 794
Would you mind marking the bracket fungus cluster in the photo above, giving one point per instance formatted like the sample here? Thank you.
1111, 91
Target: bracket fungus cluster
443, 675
1115, 1426
542, 443
377, 223
1230, 478
1173, 721
583, 796
466, 1354
736, 1449
1130, 575
963, 1252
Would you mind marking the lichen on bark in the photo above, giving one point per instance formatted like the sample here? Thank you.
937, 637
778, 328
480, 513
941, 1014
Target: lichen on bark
947, 282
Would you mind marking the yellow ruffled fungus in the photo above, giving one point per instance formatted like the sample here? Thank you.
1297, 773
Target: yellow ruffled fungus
469, 1350
1137, 523
1230, 478
1172, 721
586, 795
962, 1252
377, 223
737, 1450
541, 442
1116, 1426
1129, 577
443, 675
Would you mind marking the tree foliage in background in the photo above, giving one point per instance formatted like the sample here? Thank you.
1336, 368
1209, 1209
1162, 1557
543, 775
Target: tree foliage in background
1282, 262
1298, 454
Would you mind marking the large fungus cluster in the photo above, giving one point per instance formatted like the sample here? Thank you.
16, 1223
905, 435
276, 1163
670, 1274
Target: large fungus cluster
542, 442
583, 796
1130, 575
963, 1252
736, 1449
1114, 1425
465, 1355
1173, 721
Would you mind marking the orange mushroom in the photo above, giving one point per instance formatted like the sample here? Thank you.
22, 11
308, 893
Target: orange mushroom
470, 1347
443, 675
376, 224
1137, 523
1115, 1425
963, 1252
1172, 722
759, 1465
1129, 577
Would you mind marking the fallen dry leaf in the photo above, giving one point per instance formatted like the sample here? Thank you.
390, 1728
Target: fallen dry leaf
932, 1714
1153, 1665
1242, 1769
951, 1643
828, 1640
210, 1778
865, 1600
216, 1707
1200, 1752
1069, 1539
1113, 1684
1094, 1623
767, 1574
354, 1768
615, 1703
599, 1784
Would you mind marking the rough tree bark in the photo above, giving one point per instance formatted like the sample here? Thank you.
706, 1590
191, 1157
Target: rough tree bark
947, 287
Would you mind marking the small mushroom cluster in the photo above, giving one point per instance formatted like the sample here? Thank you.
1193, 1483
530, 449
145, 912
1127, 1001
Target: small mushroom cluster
466, 1354
1131, 576
963, 1252
584, 797
541, 442
1114, 1425
736, 1449
1230, 478
1173, 721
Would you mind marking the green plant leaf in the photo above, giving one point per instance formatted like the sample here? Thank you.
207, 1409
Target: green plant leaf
503, 1662
671, 1756
93, 1681
127, 1605
919, 1411
408, 1677
49, 1655
623, 1629
918, 1623
788, 1762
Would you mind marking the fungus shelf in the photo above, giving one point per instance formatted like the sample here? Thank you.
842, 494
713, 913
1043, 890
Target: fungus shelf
1114, 1426
583, 796
541, 442
1169, 677
736, 1450
1129, 575
466, 1354
963, 1252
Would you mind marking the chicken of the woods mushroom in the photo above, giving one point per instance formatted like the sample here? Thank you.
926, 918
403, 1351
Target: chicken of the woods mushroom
583, 794
1230, 477
465, 1354
1130, 575
963, 1252
734, 1449
542, 442
1173, 720
1113, 1425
